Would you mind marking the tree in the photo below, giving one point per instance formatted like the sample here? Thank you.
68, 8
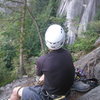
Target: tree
23, 12
37, 27
25, 26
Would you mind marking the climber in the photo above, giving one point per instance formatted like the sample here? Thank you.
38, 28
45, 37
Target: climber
55, 68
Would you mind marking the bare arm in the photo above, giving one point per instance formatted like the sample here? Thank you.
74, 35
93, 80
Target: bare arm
41, 79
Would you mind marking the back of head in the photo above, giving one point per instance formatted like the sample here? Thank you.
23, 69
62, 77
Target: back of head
55, 37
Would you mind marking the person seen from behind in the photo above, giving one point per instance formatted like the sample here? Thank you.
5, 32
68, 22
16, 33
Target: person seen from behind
56, 70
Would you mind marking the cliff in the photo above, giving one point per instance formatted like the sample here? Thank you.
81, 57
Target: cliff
78, 14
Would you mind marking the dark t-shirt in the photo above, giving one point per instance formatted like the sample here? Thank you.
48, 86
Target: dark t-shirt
58, 68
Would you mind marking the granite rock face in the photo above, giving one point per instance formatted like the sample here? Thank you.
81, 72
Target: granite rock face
78, 14
97, 72
90, 63
94, 94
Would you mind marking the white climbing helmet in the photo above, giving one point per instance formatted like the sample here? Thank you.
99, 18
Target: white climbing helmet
55, 37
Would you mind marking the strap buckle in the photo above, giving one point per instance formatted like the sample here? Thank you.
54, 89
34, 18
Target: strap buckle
59, 98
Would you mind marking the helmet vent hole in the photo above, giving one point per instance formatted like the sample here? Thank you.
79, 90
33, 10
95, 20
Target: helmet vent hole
53, 46
50, 43
61, 43
61, 30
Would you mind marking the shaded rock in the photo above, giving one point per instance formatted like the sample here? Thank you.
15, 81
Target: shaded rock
97, 43
8, 6
97, 72
74, 95
88, 62
79, 54
94, 94
5, 91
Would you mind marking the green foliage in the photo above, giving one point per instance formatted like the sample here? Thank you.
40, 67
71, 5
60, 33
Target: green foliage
8, 55
45, 15
97, 17
44, 12
31, 44
82, 44
9, 33
5, 75
37, 6
94, 26
30, 66
57, 20
8, 38
86, 44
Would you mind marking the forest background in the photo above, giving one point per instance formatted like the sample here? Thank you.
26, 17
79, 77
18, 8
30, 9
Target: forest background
22, 31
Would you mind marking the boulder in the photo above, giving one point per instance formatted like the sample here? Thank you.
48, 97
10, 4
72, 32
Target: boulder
88, 62
94, 94
97, 72
97, 43
6, 90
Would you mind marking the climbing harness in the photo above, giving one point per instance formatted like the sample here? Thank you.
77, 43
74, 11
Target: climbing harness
53, 97
60, 98
79, 74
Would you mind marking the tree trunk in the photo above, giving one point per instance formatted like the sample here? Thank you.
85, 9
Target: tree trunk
38, 31
23, 10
